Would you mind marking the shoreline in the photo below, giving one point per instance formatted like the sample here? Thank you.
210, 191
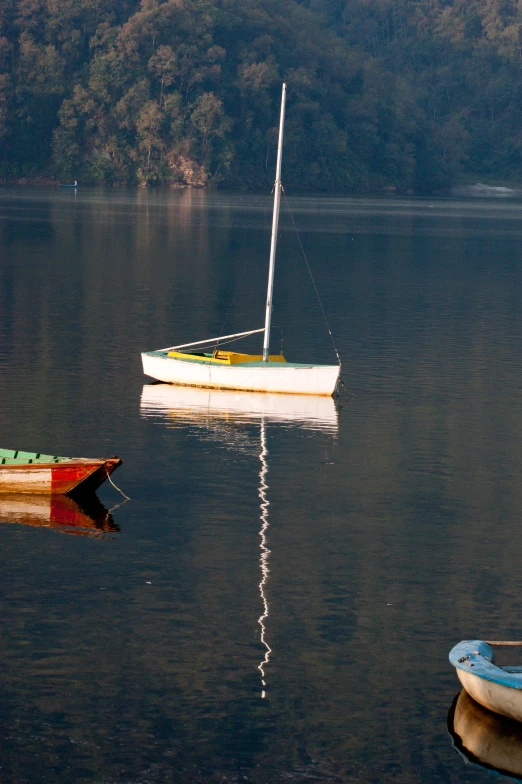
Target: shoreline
29, 181
477, 189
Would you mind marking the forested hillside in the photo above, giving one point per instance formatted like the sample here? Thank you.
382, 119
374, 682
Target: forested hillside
405, 94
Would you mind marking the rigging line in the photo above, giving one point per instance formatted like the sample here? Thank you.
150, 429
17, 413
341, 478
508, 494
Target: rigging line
211, 340
226, 342
234, 340
245, 265
312, 278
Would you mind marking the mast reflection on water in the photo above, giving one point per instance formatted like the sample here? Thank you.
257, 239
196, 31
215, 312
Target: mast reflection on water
265, 552
215, 410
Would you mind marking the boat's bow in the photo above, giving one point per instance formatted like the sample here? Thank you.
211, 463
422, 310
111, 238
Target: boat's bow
27, 472
497, 688
96, 476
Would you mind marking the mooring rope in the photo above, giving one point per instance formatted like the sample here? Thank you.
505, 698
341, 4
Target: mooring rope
116, 487
312, 279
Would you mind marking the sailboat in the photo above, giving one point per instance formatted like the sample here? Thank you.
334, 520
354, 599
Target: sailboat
189, 365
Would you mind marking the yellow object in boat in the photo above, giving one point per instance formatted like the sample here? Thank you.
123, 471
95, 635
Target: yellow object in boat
224, 357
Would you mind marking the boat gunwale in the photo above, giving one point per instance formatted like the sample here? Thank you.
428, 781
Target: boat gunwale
245, 365
476, 657
56, 464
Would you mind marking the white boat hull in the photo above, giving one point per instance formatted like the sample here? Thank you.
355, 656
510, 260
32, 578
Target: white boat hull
281, 378
33, 480
494, 696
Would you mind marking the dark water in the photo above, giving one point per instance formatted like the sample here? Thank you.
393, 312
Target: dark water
335, 554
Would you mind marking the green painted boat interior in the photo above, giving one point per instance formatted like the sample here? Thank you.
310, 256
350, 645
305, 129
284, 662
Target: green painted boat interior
17, 457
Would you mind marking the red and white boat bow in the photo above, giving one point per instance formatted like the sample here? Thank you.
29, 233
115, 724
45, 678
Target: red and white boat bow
26, 472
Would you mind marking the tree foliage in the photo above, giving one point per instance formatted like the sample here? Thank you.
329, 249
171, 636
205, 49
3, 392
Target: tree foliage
404, 94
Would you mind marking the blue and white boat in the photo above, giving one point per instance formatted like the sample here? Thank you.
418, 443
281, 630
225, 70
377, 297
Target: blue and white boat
497, 688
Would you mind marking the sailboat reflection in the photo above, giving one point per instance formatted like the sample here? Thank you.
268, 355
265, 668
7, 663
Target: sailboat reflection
188, 404
85, 518
220, 412
485, 738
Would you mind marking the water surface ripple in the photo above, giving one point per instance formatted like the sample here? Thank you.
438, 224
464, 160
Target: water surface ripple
277, 600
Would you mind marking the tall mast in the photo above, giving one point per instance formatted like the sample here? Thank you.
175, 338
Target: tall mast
275, 223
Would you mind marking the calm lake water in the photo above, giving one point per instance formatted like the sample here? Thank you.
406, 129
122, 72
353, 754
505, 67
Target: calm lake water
277, 600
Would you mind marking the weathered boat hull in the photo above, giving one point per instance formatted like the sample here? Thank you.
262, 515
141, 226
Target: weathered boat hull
499, 689
485, 738
68, 477
494, 696
277, 377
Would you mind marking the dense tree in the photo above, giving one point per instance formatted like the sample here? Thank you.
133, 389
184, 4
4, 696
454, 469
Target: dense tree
405, 94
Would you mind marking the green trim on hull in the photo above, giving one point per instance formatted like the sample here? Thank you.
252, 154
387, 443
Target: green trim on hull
200, 361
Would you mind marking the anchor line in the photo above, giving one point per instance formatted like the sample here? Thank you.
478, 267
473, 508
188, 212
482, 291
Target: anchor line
264, 556
312, 279
117, 488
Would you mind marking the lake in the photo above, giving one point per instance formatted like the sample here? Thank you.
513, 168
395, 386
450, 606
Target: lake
277, 600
